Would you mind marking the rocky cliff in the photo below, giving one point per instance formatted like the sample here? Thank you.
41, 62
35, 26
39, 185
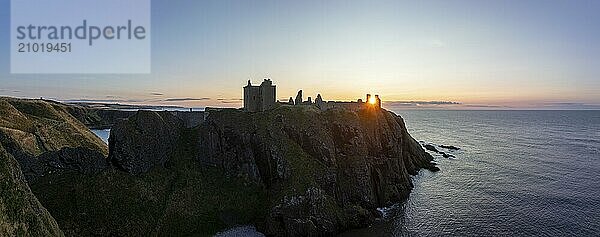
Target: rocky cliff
98, 118
43, 136
157, 187
291, 171
324, 171
321, 171
21, 214
39, 138
144, 141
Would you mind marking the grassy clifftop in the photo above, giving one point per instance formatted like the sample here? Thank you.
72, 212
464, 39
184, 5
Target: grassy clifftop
38, 126
34, 136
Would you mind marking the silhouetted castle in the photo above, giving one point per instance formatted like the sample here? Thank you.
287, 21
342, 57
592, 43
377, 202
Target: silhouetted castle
371, 102
259, 98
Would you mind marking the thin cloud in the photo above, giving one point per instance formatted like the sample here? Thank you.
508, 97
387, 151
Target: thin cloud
10, 91
564, 104
570, 105
102, 101
484, 106
156, 94
419, 103
185, 99
229, 101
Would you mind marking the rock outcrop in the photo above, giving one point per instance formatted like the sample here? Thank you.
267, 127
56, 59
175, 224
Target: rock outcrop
431, 147
298, 100
98, 118
21, 214
143, 141
43, 136
326, 171
80, 159
450, 147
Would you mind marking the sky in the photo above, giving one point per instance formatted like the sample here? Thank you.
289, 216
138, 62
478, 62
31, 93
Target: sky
414, 54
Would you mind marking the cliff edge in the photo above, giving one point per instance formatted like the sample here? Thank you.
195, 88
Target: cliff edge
324, 171
320, 172
290, 171
44, 137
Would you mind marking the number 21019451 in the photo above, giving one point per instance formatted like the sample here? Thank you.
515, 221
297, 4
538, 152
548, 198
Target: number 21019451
44, 47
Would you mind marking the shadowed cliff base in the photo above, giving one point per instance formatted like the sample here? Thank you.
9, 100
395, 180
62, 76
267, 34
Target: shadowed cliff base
21, 214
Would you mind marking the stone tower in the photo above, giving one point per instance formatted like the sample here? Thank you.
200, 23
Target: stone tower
259, 98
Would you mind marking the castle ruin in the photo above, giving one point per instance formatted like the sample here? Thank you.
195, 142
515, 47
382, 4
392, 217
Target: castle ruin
259, 98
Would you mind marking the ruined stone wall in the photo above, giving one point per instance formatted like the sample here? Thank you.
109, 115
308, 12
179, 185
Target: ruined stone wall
252, 98
341, 105
268, 94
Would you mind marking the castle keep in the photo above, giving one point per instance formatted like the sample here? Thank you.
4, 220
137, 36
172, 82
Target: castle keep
259, 98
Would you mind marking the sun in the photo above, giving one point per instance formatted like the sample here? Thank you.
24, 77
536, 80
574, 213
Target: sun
372, 100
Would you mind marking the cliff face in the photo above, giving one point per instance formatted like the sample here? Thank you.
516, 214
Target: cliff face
39, 138
20, 212
157, 189
98, 118
325, 171
321, 171
42, 136
144, 141
291, 171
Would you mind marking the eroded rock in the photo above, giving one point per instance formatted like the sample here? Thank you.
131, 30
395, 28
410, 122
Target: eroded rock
144, 141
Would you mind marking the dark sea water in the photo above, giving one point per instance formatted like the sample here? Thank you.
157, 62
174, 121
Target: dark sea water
519, 173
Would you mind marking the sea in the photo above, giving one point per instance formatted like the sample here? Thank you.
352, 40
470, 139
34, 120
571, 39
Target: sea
102, 134
517, 173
